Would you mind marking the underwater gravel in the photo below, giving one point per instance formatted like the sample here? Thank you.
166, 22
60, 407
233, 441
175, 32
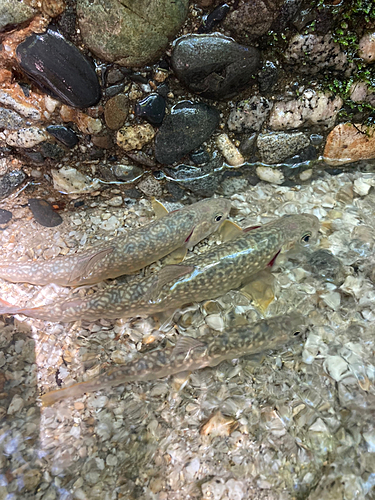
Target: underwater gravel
298, 423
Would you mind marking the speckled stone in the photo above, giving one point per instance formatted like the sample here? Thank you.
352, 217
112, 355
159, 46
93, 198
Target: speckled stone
276, 147
14, 12
135, 136
10, 181
116, 111
250, 114
10, 120
348, 143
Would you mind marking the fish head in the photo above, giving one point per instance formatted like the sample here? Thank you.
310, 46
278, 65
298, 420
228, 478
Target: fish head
301, 228
208, 217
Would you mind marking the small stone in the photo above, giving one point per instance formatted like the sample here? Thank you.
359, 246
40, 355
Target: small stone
59, 66
69, 180
219, 425
269, 174
111, 460
10, 181
16, 405
10, 120
152, 108
78, 405
229, 151
26, 137
116, 201
306, 174
215, 321
135, 136
362, 187
150, 186
63, 134
102, 141
116, 111
184, 130
366, 48
277, 147
31, 479
336, 367
332, 299
13, 13
348, 143
5, 216
85, 123
127, 173
111, 224
249, 115
319, 426
44, 213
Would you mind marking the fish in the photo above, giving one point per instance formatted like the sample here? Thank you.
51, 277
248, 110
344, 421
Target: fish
207, 276
191, 354
176, 232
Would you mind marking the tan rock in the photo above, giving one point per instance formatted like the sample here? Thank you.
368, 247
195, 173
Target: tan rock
347, 143
85, 123
135, 136
116, 110
229, 150
366, 48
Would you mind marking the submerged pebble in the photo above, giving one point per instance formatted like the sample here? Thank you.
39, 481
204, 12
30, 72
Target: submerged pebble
44, 213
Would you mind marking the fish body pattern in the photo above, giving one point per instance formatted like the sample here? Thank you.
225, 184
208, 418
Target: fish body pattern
191, 354
127, 253
207, 276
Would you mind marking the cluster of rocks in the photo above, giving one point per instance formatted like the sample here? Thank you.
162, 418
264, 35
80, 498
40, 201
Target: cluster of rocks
214, 101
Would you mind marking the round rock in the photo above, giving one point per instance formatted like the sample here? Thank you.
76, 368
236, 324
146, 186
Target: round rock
186, 128
214, 66
57, 65
131, 33
116, 111
44, 213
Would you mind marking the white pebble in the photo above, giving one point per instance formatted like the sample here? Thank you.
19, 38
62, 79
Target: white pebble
269, 174
229, 150
16, 405
336, 367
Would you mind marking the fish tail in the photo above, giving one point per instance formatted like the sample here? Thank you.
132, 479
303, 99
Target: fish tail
8, 308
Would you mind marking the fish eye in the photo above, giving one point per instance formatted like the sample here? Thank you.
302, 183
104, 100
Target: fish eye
297, 333
306, 237
218, 217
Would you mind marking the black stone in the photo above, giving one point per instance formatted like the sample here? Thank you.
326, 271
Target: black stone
10, 181
175, 191
44, 213
50, 150
214, 18
214, 66
267, 77
114, 90
152, 108
63, 134
200, 157
59, 66
5, 216
184, 130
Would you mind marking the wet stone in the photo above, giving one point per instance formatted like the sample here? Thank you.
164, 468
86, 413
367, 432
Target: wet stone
152, 108
60, 67
200, 157
14, 12
10, 120
134, 136
5, 216
267, 77
128, 173
114, 90
50, 150
276, 147
116, 111
249, 115
348, 142
65, 135
185, 129
214, 66
127, 32
324, 265
214, 18
44, 213
10, 181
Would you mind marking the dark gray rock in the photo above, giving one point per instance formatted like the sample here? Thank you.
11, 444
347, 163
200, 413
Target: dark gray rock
58, 66
277, 147
152, 108
44, 213
10, 181
10, 120
127, 173
130, 32
50, 150
324, 265
267, 77
5, 216
63, 134
214, 66
185, 129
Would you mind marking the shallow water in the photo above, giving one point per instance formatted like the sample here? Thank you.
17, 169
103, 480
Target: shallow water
297, 423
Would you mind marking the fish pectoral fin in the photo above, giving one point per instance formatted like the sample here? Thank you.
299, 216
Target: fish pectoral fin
86, 263
167, 274
229, 230
185, 345
176, 256
158, 208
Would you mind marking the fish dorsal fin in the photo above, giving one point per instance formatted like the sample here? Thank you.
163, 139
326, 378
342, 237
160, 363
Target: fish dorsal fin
176, 256
86, 263
229, 230
158, 208
170, 273
185, 345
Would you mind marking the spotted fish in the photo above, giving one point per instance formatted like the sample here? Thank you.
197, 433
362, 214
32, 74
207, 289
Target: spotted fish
172, 232
207, 276
191, 354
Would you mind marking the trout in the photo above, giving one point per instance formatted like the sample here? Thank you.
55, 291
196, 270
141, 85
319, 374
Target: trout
174, 232
206, 276
191, 354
